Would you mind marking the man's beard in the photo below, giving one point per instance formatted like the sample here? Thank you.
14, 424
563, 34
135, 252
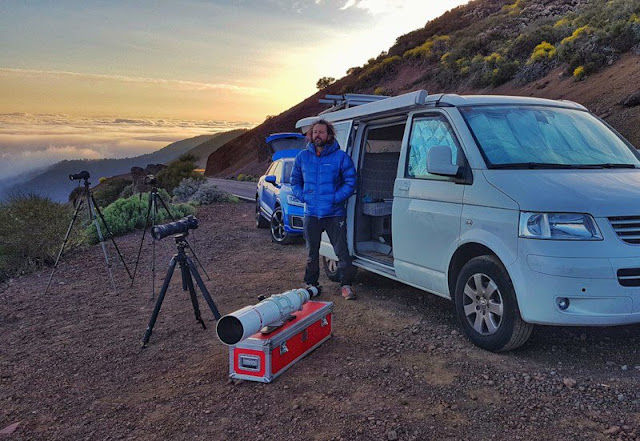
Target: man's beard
318, 142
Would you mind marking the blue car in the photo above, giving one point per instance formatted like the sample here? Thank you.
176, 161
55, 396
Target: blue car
276, 206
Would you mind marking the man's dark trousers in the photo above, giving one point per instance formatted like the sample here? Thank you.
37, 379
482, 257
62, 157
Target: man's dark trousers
336, 228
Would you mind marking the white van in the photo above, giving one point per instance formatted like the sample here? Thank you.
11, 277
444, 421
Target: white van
522, 211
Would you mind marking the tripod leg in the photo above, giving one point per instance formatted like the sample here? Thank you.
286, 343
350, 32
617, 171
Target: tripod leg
154, 216
198, 260
166, 208
203, 289
192, 292
93, 217
144, 232
156, 309
64, 242
110, 234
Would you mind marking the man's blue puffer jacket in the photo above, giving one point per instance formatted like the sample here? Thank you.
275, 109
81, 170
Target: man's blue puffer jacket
323, 182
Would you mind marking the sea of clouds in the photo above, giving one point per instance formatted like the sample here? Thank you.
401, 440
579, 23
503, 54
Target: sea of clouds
30, 142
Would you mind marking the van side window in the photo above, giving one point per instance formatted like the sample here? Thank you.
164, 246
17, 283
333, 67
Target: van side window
426, 133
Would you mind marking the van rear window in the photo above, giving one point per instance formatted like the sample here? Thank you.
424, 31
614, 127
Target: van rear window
536, 135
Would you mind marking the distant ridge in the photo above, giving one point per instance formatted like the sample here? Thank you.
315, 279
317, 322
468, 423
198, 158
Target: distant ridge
54, 180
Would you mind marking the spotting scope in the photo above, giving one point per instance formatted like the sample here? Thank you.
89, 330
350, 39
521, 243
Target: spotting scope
243, 323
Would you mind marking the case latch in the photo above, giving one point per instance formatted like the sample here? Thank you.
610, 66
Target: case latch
283, 348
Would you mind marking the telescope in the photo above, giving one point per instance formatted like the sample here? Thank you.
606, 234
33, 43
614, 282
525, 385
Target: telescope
181, 226
150, 180
271, 312
78, 176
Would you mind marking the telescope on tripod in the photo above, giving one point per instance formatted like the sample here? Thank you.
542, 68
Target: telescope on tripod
92, 208
152, 215
188, 272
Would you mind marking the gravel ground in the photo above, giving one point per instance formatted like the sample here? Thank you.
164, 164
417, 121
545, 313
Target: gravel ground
396, 368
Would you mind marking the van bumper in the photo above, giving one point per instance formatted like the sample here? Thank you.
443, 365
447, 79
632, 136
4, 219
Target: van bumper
595, 296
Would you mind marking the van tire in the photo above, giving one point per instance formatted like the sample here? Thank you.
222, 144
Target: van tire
498, 305
331, 269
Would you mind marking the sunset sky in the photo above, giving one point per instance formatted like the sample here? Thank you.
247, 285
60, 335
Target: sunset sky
112, 78
234, 61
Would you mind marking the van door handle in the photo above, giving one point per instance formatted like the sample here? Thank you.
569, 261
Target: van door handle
403, 186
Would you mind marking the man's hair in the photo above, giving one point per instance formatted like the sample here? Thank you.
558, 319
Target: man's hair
330, 130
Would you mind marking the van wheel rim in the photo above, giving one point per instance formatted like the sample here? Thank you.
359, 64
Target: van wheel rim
483, 305
332, 265
277, 226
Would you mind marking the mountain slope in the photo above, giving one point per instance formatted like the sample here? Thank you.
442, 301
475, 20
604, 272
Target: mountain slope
583, 50
54, 181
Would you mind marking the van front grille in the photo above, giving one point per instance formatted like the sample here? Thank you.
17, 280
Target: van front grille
629, 276
627, 228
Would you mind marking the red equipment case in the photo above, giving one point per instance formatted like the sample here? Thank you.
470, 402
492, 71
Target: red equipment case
263, 357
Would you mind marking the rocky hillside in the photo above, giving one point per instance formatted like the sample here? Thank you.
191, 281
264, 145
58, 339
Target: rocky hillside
587, 51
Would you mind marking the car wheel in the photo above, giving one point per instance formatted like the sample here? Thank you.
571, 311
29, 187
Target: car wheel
278, 234
487, 307
331, 268
261, 222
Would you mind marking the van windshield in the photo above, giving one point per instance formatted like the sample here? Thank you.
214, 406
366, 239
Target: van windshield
546, 137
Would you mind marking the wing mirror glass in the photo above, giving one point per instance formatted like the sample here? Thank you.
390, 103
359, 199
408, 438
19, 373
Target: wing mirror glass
270, 179
440, 162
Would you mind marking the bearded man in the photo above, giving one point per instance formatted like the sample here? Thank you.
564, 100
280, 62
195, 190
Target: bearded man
324, 177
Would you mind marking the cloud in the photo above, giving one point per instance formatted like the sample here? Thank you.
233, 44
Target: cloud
174, 84
30, 141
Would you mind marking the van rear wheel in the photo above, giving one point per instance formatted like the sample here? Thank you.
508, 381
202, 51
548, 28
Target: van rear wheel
487, 307
331, 269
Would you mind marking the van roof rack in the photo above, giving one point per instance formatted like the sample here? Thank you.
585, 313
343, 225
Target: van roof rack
348, 100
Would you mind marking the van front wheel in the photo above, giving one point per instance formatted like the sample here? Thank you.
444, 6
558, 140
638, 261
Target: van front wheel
487, 308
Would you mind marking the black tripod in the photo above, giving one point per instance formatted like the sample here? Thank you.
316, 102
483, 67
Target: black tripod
188, 269
152, 212
92, 209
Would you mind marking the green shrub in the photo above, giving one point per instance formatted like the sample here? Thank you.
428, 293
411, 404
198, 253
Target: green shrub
379, 91
109, 190
378, 70
543, 52
186, 189
31, 232
208, 193
171, 176
126, 215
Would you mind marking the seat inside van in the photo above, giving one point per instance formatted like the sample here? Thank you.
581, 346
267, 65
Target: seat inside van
378, 168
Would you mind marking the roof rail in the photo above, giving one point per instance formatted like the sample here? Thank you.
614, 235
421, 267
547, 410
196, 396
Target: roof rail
348, 100
379, 106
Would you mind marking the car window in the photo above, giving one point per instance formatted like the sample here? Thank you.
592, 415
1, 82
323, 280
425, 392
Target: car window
278, 172
286, 173
426, 133
270, 169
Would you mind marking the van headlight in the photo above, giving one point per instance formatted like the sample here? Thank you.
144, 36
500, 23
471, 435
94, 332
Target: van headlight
292, 200
558, 226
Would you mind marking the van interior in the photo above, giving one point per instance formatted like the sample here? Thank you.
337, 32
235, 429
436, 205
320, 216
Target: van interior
378, 168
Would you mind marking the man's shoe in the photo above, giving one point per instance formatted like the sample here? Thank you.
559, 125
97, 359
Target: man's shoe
347, 292
314, 290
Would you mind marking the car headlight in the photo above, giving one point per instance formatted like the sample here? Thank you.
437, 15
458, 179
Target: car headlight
292, 200
558, 226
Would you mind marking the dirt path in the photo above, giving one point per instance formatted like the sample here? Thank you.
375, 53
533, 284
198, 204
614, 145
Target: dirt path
71, 366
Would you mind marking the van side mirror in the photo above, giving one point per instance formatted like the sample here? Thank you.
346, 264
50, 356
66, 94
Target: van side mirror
440, 162
271, 179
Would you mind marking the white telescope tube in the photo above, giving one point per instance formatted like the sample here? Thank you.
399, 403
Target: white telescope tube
243, 323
